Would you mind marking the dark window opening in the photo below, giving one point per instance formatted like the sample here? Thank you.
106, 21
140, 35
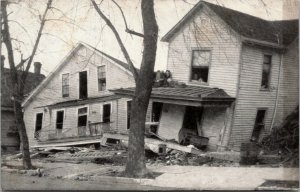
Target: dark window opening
106, 113
156, 111
83, 86
200, 65
101, 78
192, 118
59, 119
65, 85
259, 125
82, 117
128, 113
265, 82
38, 123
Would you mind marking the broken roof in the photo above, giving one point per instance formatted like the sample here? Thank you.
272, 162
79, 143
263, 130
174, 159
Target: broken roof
32, 81
188, 93
246, 25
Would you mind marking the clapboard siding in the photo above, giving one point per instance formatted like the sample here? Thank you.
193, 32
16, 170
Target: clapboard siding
250, 97
288, 97
206, 31
83, 59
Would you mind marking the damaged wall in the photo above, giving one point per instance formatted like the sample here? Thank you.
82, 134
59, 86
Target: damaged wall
171, 121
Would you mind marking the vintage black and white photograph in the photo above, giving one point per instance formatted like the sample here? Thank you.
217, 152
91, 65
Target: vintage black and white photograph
149, 95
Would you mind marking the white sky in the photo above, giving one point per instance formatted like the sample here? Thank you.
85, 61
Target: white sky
62, 35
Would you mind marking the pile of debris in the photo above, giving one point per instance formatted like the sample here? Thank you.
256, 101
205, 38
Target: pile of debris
284, 140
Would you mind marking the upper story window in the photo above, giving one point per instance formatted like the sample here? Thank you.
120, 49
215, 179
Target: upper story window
65, 85
101, 78
265, 81
200, 65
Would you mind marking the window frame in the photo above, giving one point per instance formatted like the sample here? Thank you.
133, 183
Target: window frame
64, 117
99, 79
87, 114
102, 111
205, 49
62, 85
270, 73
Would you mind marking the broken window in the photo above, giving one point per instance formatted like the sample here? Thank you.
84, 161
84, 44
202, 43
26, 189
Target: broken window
259, 124
200, 65
101, 78
38, 123
83, 86
82, 116
106, 113
65, 85
265, 81
59, 119
128, 113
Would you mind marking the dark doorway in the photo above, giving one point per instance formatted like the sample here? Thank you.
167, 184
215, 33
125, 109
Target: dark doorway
128, 113
259, 124
192, 119
59, 119
38, 124
156, 111
106, 113
83, 86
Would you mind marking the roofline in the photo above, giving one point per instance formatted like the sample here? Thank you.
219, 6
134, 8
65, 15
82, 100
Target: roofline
60, 65
262, 43
159, 96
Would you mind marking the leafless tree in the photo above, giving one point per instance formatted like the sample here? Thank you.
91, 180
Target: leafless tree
18, 78
135, 166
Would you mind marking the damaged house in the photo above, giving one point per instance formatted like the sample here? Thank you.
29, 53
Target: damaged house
73, 104
234, 76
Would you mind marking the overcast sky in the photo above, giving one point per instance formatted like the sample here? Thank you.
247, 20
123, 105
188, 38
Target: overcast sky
77, 21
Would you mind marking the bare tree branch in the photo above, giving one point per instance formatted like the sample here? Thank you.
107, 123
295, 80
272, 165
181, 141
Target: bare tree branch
127, 29
111, 26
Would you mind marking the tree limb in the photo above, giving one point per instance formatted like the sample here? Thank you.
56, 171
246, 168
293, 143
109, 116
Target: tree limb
124, 51
24, 75
127, 29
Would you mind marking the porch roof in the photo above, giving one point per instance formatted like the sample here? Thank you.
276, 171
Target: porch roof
78, 102
187, 93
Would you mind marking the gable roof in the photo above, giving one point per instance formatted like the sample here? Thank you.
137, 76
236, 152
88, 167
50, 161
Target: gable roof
246, 25
65, 61
32, 81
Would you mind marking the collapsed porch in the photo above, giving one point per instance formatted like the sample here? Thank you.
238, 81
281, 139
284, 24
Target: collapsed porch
190, 115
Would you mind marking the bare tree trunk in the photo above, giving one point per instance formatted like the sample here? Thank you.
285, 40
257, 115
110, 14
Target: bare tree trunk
18, 78
135, 166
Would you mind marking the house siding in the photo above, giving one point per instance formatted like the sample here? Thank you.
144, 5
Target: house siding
206, 31
288, 95
8, 142
82, 60
250, 98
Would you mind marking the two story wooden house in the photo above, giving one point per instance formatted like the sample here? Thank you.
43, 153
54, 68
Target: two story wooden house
73, 104
241, 76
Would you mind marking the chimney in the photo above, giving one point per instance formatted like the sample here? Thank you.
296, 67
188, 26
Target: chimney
37, 68
2, 61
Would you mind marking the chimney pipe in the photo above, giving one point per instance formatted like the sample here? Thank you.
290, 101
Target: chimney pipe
37, 68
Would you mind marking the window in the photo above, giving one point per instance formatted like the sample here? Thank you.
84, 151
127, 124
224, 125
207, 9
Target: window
200, 65
156, 111
259, 124
65, 85
106, 113
59, 119
38, 123
82, 116
128, 113
101, 78
265, 81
